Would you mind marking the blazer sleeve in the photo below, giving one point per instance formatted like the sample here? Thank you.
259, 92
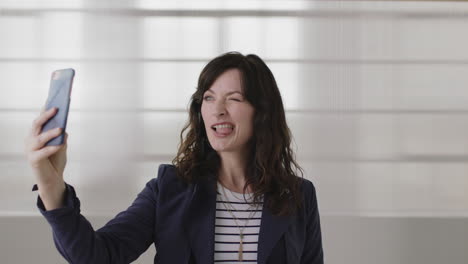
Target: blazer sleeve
122, 240
313, 250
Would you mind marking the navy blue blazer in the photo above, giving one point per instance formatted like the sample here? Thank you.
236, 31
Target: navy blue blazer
180, 220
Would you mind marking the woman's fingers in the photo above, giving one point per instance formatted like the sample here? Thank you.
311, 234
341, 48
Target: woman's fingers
41, 119
39, 141
36, 157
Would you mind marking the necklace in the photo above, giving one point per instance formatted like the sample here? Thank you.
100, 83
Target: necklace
241, 230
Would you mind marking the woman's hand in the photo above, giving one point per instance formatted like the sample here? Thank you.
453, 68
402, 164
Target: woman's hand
47, 162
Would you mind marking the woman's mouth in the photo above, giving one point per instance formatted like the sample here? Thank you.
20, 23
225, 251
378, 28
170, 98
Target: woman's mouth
223, 130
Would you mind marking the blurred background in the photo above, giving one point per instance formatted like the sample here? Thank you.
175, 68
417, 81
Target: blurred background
375, 93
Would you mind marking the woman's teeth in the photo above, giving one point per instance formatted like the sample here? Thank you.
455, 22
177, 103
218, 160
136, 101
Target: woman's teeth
223, 126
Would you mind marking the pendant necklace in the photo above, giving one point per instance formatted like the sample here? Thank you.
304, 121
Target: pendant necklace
241, 235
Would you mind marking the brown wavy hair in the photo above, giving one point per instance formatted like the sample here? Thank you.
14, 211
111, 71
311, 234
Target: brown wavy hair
271, 166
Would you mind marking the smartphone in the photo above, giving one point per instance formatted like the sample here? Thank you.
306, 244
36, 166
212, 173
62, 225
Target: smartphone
59, 96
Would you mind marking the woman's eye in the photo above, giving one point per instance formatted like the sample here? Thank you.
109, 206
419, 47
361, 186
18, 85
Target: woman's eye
206, 98
236, 99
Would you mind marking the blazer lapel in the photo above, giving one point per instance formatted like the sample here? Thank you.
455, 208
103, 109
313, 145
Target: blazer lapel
271, 229
200, 222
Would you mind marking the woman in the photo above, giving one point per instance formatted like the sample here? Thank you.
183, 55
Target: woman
232, 192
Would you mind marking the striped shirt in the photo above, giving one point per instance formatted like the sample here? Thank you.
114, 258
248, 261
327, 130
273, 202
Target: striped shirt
227, 233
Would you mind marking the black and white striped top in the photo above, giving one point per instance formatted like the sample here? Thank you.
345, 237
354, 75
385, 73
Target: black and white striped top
227, 234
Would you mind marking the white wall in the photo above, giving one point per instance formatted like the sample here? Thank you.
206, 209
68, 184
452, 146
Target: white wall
375, 94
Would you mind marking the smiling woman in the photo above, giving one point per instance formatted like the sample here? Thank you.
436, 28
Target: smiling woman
232, 194
237, 139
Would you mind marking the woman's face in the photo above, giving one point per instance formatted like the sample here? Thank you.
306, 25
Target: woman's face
227, 115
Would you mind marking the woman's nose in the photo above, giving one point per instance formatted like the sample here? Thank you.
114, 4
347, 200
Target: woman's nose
220, 108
